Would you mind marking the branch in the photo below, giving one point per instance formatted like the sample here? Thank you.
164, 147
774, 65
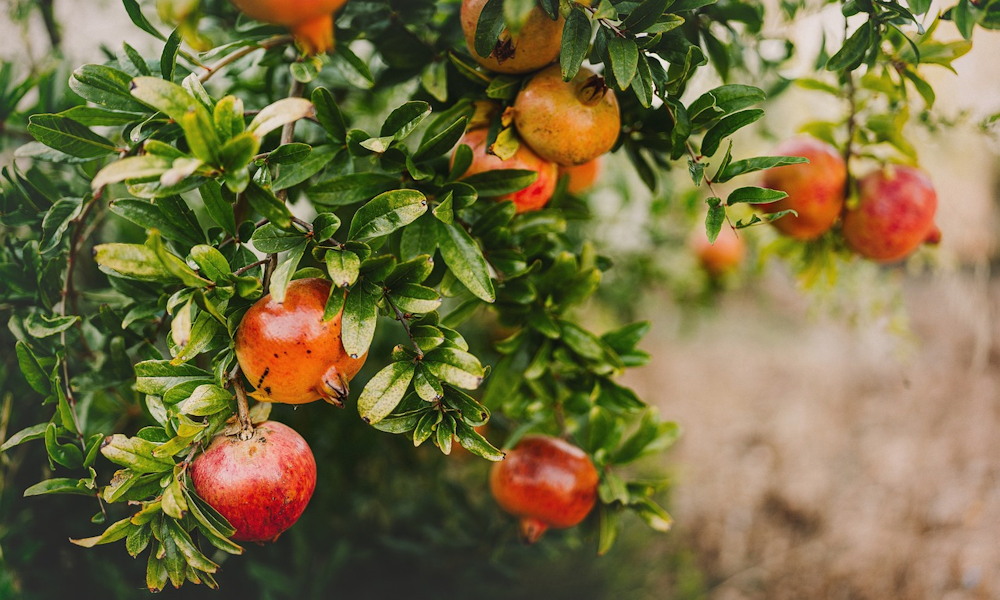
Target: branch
404, 321
278, 40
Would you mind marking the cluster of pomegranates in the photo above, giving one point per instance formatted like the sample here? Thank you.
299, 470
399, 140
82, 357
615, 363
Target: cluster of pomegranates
894, 214
262, 482
563, 126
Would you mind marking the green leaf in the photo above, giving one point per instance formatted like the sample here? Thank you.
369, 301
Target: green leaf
287, 154
385, 391
268, 205
148, 167
67, 455
166, 97
134, 453
403, 120
415, 299
115, 532
105, 86
68, 136
456, 367
173, 263
168, 58
60, 485
187, 548
148, 215
211, 262
475, 443
278, 114
328, 114
283, 272
645, 15
386, 213
343, 267
624, 56
465, 260
727, 126
575, 42
157, 376
609, 526
350, 189
849, 57
723, 100
754, 195
500, 182
32, 370
173, 502
759, 163
714, 219
359, 321
207, 399
269, 239
442, 142
139, 20
488, 28
35, 432
653, 514
353, 68
237, 153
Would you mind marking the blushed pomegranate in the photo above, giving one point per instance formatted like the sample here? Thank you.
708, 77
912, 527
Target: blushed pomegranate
546, 482
311, 21
536, 45
260, 485
533, 197
815, 189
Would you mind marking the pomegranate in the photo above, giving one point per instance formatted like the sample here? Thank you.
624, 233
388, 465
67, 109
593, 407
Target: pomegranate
567, 122
311, 21
546, 482
536, 45
260, 485
533, 197
815, 189
289, 353
895, 214
581, 177
725, 255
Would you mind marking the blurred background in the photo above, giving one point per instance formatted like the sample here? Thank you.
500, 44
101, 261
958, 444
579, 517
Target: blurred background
839, 441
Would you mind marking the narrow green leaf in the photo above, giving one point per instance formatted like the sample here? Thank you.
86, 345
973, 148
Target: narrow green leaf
268, 205
727, 126
68, 136
386, 213
115, 532
359, 321
465, 260
385, 391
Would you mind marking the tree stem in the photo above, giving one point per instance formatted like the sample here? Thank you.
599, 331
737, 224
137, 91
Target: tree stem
278, 40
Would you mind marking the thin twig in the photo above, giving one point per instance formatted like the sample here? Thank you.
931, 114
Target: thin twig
242, 408
243, 270
278, 40
852, 125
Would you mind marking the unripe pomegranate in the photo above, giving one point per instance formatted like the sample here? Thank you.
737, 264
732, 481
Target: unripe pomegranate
815, 189
895, 214
567, 122
311, 21
725, 255
581, 177
547, 482
260, 485
533, 197
289, 353
536, 45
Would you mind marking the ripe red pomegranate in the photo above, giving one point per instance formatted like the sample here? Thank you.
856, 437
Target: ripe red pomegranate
567, 122
547, 482
311, 21
533, 197
895, 214
815, 189
289, 354
581, 177
260, 485
725, 255
536, 45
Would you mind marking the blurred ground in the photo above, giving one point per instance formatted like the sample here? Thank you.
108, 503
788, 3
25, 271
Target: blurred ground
818, 463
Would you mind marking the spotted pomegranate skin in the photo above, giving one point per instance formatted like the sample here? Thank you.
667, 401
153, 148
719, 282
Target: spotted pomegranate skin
533, 197
261, 485
567, 122
536, 45
895, 214
546, 482
815, 189
289, 354
311, 21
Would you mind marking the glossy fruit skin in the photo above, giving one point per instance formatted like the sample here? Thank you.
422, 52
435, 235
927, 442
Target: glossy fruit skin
289, 354
533, 197
547, 482
567, 122
815, 189
536, 45
581, 177
311, 21
895, 214
261, 485
725, 255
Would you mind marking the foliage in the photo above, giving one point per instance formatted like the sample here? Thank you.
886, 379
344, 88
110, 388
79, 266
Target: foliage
164, 194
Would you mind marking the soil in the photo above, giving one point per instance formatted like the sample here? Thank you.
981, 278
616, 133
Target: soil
817, 462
